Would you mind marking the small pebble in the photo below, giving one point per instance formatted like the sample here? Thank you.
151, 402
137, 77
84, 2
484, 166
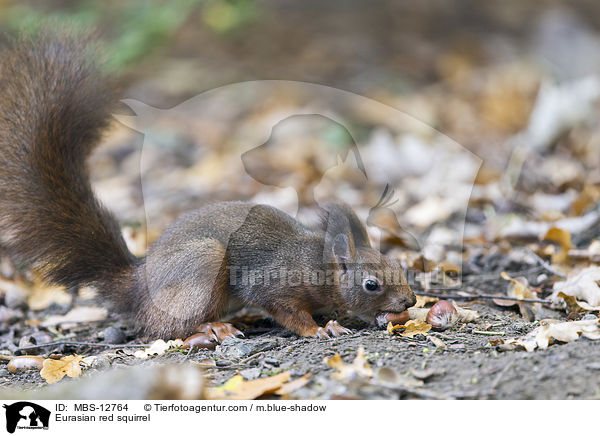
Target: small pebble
114, 335
35, 338
7, 314
15, 299
235, 348
221, 363
271, 361
41, 337
251, 373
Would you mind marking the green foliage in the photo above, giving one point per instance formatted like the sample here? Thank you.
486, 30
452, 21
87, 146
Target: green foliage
131, 29
225, 16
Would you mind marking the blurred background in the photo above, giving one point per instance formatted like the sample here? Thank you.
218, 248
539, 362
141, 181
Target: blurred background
503, 93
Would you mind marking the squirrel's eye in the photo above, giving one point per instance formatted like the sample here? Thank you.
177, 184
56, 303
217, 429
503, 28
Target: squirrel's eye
371, 285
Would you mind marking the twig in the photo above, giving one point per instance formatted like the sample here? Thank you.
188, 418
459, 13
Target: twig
483, 297
248, 359
483, 332
87, 344
470, 278
545, 264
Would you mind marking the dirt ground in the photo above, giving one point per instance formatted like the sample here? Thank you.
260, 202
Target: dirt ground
467, 367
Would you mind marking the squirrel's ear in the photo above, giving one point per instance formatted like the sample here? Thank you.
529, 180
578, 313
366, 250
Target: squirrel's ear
341, 248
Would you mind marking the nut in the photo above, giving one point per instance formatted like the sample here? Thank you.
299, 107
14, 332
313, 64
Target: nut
395, 318
442, 315
25, 363
199, 340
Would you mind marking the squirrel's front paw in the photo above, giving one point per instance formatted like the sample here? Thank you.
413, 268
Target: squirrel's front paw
332, 329
212, 333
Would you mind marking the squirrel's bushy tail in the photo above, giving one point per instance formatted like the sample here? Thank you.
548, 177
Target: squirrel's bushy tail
54, 103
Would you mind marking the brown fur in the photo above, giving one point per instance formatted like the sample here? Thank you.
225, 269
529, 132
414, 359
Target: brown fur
53, 106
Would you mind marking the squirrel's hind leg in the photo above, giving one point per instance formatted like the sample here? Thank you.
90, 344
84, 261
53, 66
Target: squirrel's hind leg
192, 291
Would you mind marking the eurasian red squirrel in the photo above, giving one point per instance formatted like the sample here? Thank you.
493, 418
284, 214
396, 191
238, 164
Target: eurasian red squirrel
54, 104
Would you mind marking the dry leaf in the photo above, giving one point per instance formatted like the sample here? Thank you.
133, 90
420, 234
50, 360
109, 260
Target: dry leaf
573, 305
89, 360
437, 342
553, 330
464, 315
423, 301
519, 288
582, 285
293, 385
236, 388
410, 329
158, 348
358, 368
563, 239
589, 196
54, 370
418, 313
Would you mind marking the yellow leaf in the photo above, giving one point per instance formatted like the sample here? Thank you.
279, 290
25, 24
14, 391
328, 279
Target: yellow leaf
391, 328
359, 367
572, 303
236, 388
423, 301
588, 197
293, 385
415, 327
519, 288
563, 239
54, 370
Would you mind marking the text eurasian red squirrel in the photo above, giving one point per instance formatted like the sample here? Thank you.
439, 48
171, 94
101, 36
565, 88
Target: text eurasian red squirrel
54, 104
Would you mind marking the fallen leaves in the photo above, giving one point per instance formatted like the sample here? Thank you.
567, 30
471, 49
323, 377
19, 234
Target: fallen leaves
290, 387
552, 330
54, 370
158, 348
236, 388
519, 288
358, 368
582, 285
464, 315
563, 238
410, 328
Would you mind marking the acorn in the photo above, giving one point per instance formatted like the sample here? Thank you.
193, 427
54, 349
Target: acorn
442, 315
25, 363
